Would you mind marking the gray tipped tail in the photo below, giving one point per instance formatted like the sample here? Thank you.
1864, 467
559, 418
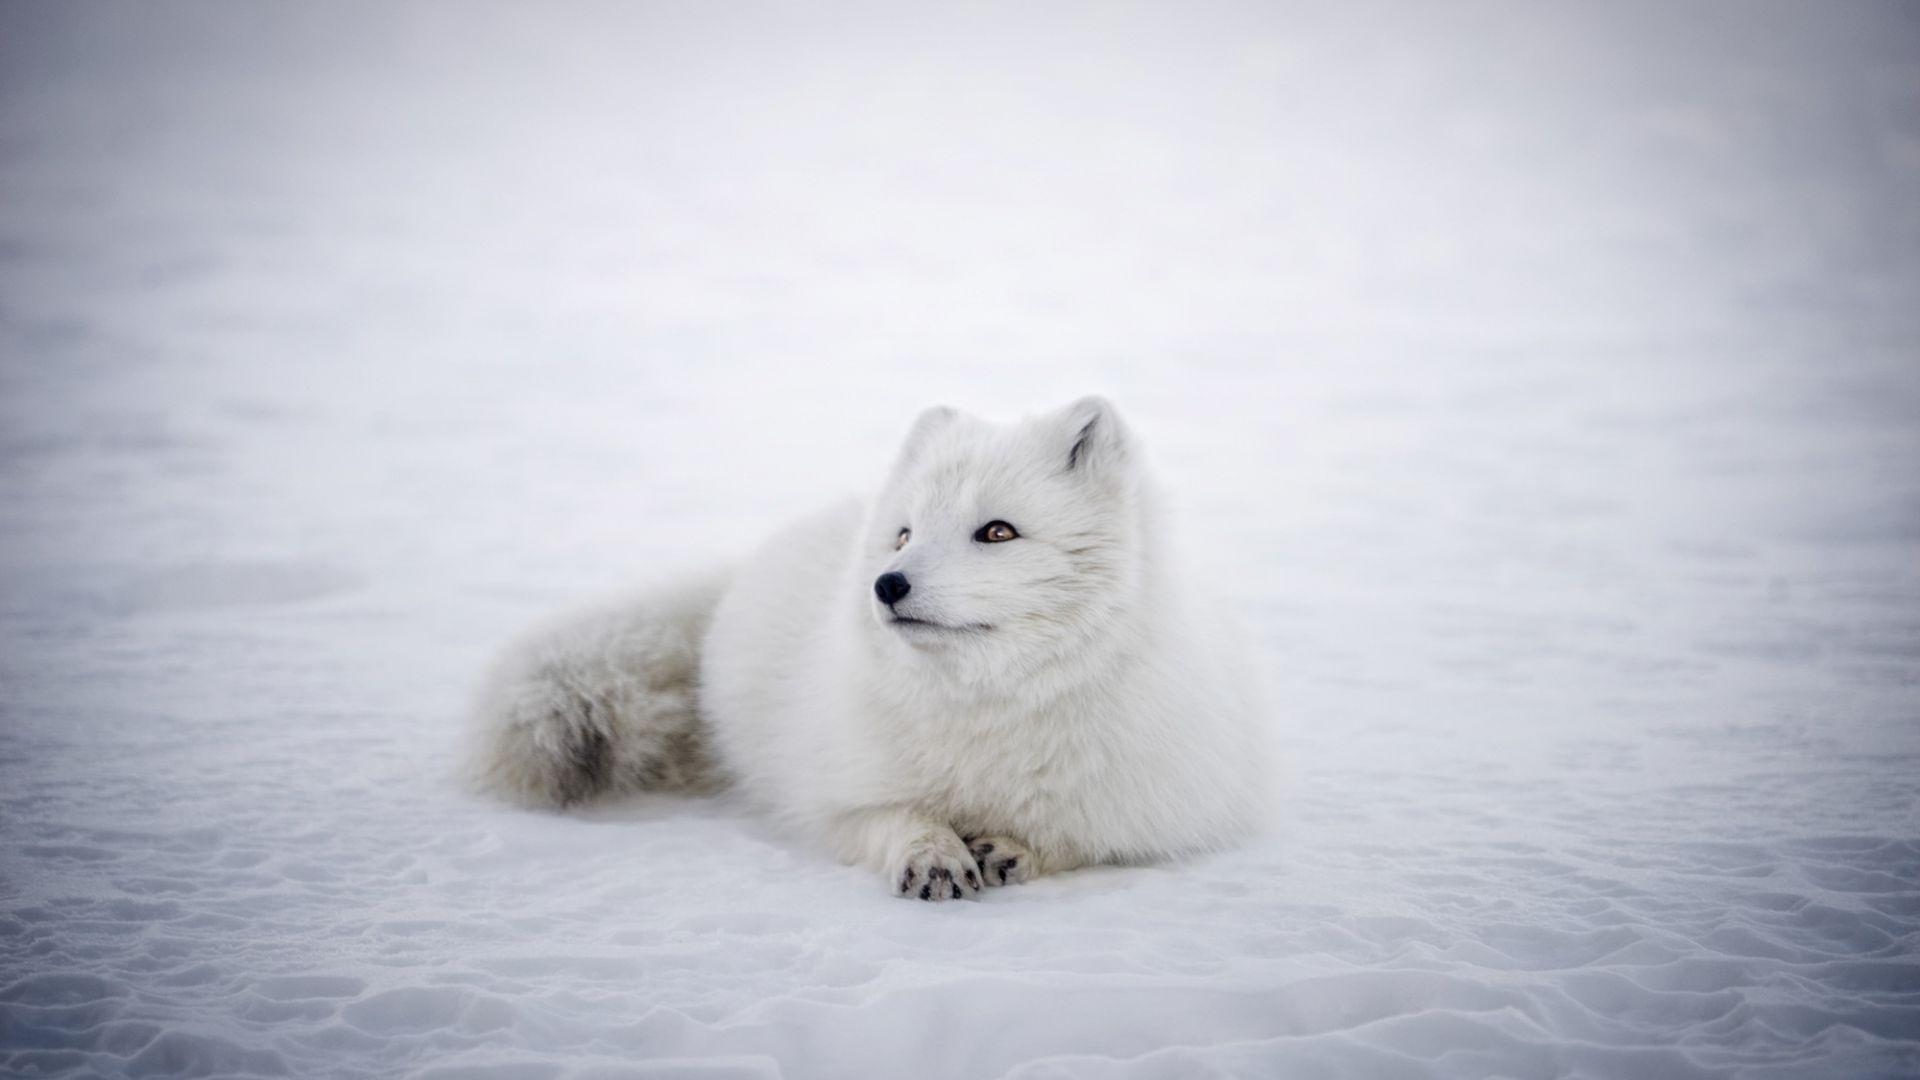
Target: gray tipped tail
603, 703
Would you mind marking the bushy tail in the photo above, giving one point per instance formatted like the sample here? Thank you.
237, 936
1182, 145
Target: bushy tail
604, 702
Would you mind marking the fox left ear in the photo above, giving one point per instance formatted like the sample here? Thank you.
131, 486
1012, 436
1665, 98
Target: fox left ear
1098, 439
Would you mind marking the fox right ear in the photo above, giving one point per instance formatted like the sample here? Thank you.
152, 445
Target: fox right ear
924, 427
930, 421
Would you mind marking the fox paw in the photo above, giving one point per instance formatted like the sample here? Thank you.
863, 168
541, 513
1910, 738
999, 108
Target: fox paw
938, 869
1001, 861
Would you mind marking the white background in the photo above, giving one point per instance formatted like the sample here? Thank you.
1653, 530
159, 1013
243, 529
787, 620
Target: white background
1544, 385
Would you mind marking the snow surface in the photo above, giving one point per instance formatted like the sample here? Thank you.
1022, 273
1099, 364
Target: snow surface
1546, 384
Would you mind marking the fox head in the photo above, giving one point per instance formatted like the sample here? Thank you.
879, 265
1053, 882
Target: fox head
1004, 544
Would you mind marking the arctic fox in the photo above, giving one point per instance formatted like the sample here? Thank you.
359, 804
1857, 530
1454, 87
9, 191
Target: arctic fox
987, 673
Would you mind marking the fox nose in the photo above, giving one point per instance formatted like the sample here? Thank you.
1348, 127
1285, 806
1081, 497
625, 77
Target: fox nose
891, 586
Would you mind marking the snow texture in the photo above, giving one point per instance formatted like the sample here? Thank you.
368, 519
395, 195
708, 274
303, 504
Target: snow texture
1544, 380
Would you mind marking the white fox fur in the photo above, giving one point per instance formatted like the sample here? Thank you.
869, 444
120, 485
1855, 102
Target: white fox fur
1059, 698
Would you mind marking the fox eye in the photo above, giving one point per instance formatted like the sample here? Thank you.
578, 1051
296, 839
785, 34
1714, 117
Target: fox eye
996, 532
901, 540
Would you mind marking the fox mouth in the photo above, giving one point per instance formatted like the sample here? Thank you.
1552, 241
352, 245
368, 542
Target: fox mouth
908, 621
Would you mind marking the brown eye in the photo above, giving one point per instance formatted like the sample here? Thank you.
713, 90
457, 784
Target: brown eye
901, 540
996, 532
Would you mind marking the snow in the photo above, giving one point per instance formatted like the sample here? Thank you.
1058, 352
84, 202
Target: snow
1545, 385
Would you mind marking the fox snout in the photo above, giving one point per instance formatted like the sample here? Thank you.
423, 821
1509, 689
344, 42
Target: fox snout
891, 587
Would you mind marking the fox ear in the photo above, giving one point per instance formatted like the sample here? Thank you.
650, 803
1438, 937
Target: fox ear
924, 426
1097, 440
928, 422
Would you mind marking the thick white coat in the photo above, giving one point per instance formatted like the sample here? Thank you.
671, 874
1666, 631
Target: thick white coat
1066, 695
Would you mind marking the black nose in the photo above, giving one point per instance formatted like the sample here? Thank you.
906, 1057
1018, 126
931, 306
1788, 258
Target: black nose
891, 586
